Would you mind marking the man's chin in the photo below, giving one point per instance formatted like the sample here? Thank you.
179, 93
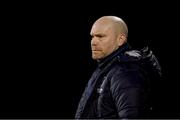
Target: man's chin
94, 58
97, 57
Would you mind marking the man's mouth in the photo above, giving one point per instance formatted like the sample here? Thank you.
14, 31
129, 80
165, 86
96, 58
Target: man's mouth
96, 49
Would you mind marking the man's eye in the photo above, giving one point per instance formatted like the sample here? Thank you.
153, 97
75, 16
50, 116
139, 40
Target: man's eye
100, 36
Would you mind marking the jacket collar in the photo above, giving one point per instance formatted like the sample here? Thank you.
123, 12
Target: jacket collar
119, 51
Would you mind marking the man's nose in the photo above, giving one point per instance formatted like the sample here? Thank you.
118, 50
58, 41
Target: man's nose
94, 41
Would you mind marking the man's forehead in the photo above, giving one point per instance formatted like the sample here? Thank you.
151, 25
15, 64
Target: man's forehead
100, 27
103, 22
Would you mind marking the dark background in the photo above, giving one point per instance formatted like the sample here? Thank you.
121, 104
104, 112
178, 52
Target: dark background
46, 58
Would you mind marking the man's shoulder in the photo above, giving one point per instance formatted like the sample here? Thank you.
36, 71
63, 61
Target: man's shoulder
128, 61
126, 69
130, 56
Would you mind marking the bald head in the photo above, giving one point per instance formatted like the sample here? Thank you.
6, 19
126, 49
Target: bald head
108, 34
116, 23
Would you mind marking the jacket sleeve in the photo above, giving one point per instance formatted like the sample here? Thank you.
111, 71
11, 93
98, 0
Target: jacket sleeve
128, 91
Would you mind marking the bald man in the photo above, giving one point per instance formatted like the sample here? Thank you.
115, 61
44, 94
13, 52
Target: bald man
108, 34
119, 87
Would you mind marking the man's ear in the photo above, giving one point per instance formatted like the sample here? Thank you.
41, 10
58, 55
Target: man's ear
121, 39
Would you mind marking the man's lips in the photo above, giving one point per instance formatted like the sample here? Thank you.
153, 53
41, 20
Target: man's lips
95, 49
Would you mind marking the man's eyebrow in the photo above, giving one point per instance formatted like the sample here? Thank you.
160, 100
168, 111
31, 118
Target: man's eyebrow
97, 34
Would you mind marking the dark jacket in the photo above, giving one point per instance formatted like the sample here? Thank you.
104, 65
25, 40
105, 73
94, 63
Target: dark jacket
120, 86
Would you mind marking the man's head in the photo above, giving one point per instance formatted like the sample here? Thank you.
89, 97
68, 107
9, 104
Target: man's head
108, 34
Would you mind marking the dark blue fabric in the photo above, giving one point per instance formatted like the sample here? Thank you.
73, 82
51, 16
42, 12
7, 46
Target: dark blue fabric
124, 80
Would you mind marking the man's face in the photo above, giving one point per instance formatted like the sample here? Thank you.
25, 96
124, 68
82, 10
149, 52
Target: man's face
104, 40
